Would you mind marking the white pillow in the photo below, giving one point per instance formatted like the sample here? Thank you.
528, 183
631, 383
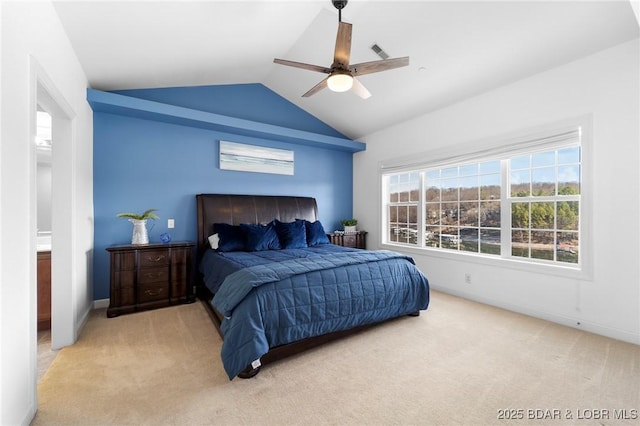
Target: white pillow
213, 241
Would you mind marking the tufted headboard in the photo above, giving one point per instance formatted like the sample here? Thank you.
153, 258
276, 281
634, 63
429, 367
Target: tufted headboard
237, 209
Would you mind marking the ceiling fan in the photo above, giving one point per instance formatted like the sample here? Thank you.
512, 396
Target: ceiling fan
342, 75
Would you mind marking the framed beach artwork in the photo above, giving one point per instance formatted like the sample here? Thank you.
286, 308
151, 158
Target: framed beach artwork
253, 158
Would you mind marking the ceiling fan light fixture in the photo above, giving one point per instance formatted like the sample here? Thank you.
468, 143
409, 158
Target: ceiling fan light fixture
340, 82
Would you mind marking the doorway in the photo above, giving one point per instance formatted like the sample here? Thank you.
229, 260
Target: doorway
50, 100
43, 240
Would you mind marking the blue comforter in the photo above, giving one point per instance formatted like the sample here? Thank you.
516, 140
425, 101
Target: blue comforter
280, 296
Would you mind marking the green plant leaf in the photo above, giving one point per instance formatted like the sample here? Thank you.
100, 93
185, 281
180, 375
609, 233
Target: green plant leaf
149, 214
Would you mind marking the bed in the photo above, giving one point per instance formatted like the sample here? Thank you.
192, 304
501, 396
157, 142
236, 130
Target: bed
274, 286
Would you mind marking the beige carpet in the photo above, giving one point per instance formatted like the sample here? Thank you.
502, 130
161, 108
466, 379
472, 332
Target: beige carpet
458, 363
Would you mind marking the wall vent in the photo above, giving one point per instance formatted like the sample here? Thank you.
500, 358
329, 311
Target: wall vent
378, 51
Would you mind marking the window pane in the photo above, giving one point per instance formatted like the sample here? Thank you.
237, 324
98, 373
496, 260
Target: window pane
432, 211
433, 174
432, 192
567, 247
523, 162
468, 213
520, 182
469, 239
393, 214
543, 182
449, 190
449, 238
520, 215
490, 167
450, 172
402, 214
568, 215
569, 180
469, 188
542, 246
449, 215
490, 241
543, 159
412, 213
468, 170
490, 187
414, 185
569, 155
542, 215
490, 214
393, 223
412, 234
520, 243
432, 236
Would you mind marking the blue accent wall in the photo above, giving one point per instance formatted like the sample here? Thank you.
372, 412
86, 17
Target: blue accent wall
141, 164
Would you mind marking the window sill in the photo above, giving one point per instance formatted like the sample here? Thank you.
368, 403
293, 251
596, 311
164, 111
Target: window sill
497, 262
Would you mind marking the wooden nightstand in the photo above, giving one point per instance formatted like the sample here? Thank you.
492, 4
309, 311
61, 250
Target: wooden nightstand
150, 276
355, 240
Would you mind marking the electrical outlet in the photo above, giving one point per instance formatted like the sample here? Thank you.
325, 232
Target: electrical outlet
467, 278
171, 223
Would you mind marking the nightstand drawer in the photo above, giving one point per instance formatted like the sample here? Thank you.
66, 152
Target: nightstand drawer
153, 292
353, 240
151, 258
153, 275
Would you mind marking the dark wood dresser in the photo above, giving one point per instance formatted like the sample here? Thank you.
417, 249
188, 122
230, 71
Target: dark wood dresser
44, 290
150, 276
355, 240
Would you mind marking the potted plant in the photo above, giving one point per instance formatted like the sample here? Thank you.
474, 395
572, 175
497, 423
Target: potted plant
140, 235
349, 225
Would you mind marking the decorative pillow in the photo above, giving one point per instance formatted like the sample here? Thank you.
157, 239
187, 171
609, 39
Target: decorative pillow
292, 234
315, 233
260, 237
231, 237
214, 240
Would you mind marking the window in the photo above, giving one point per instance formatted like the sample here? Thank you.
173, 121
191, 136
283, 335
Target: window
462, 206
544, 202
404, 192
518, 201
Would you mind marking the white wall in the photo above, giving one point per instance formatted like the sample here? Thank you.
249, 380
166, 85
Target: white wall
34, 47
605, 85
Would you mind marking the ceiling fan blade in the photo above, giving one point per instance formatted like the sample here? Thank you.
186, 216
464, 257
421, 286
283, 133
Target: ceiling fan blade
315, 89
359, 89
302, 65
377, 66
343, 46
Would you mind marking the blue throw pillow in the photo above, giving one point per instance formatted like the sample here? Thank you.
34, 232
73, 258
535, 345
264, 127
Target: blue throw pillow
231, 237
315, 233
260, 237
292, 234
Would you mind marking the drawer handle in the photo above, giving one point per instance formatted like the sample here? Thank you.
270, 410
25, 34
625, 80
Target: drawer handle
151, 275
152, 293
157, 259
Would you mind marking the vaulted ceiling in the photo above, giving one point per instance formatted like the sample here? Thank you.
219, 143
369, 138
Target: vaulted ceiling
457, 49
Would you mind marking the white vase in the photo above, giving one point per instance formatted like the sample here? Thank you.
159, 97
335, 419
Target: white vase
140, 235
350, 229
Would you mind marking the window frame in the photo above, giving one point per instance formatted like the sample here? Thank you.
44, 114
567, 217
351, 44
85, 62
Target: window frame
507, 146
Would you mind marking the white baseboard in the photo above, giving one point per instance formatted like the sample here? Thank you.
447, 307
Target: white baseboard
102, 303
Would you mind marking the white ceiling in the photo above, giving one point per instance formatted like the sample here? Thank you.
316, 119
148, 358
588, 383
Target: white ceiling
457, 49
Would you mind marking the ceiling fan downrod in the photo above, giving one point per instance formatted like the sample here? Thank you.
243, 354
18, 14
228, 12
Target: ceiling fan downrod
339, 4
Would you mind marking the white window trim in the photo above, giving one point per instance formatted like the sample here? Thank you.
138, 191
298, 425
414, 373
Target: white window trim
531, 139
